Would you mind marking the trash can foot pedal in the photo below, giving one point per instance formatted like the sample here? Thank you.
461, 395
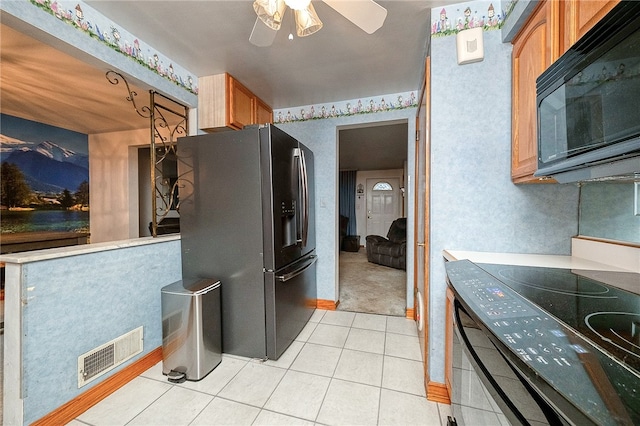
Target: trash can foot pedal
176, 376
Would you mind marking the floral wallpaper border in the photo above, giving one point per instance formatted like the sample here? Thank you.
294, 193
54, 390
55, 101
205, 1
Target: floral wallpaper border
96, 26
467, 16
346, 108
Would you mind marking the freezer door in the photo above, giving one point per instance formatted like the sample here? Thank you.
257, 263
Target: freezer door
290, 302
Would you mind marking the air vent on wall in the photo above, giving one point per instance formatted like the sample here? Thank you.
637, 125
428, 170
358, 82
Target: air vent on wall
104, 358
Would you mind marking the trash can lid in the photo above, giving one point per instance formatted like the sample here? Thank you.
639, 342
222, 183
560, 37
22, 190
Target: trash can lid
192, 286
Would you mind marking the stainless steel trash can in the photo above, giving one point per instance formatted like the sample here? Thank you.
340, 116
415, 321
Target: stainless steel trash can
191, 329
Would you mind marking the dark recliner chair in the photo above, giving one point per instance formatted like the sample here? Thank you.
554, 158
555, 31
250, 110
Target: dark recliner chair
390, 251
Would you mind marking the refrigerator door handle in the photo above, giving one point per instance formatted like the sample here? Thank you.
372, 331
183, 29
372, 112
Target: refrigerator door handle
304, 184
290, 275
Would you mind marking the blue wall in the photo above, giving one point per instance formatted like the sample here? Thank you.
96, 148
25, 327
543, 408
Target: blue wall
77, 303
606, 211
474, 205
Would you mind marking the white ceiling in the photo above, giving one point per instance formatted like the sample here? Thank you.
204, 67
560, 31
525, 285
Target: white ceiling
74, 95
339, 62
380, 147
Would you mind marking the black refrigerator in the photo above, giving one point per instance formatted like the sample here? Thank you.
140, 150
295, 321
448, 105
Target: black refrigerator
247, 218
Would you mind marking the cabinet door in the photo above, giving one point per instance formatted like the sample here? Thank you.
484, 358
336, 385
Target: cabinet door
240, 104
531, 56
580, 16
264, 114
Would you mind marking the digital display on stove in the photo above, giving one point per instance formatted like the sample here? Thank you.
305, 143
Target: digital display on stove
496, 292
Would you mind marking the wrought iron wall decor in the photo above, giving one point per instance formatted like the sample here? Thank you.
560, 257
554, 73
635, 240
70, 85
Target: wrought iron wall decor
168, 120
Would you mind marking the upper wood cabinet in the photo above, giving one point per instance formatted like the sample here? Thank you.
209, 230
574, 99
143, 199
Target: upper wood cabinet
578, 17
532, 54
240, 104
264, 113
552, 28
225, 103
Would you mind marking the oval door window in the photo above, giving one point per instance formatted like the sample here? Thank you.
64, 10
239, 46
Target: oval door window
382, 186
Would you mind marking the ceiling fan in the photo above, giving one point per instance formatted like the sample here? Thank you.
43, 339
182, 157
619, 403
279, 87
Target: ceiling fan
366, 14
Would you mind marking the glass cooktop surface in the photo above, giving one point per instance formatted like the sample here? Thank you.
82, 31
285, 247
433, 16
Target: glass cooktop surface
586, 301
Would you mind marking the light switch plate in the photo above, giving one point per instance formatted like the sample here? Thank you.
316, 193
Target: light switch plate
636, 198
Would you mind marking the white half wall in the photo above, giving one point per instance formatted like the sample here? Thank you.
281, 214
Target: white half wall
113, 184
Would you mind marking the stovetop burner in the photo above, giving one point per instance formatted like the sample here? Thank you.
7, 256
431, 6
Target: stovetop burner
555, 281
621, 329
608, 316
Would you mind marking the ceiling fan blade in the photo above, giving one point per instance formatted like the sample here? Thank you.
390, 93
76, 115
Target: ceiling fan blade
366, 14
261, 35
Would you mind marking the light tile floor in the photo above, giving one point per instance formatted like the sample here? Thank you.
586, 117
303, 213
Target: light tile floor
344, 368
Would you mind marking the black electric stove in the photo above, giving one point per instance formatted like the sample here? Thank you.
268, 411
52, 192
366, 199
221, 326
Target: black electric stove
573, 336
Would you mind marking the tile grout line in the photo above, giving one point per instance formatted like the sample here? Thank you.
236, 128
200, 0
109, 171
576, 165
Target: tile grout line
203, 408
333, 373
384, 349
150, 404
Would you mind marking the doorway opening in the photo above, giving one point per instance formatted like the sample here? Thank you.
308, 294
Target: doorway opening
372, 160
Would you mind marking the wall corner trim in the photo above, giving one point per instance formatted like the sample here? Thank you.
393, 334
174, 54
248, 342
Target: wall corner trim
437, 392
410, 313
329, 305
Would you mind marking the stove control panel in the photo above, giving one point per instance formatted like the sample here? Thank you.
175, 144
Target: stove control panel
526, 329
539, 340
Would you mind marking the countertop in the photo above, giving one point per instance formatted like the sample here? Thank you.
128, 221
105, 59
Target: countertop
585, 261
523, 259
54, 253
586, 254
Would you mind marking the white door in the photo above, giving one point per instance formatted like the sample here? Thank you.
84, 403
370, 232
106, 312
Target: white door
383, 204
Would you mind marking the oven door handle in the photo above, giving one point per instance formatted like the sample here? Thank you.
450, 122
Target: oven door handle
478, 364
548, 412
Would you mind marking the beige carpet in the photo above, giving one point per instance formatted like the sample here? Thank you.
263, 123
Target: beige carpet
371, 288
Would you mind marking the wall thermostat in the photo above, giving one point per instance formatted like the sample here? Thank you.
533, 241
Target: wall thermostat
470, 46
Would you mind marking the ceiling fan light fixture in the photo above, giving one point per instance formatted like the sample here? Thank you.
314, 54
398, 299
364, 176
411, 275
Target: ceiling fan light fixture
307, 21
270, 12
298, 4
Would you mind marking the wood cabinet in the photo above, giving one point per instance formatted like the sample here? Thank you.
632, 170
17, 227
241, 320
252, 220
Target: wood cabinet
578, 17
552, 28
225, 103
239, 103
532, 54
264, 113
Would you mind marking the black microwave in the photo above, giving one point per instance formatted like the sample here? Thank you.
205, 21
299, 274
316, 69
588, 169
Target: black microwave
588, 104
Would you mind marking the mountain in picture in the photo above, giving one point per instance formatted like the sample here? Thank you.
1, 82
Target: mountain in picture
49, 168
